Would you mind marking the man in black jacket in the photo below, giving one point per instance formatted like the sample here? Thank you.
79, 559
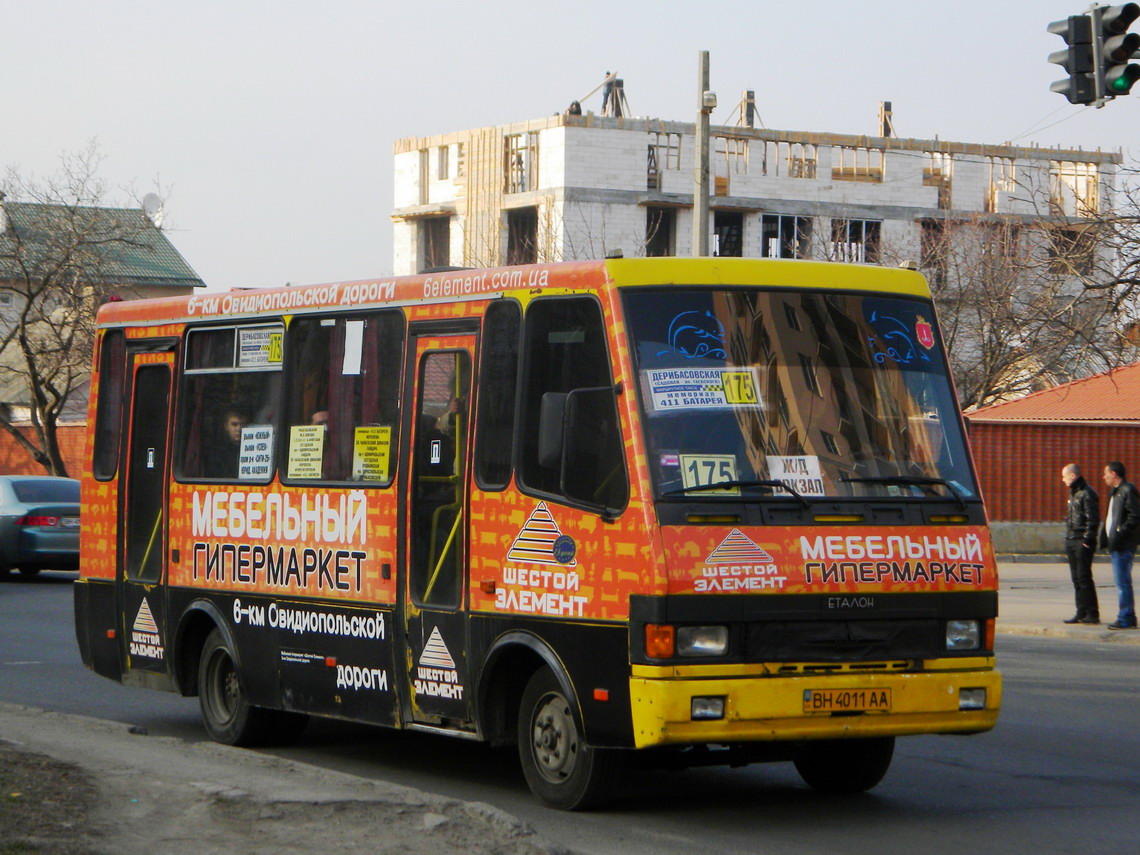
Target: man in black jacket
1120, 532
1081, 525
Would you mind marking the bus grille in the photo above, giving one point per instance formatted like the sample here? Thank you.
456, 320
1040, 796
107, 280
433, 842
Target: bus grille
844, 640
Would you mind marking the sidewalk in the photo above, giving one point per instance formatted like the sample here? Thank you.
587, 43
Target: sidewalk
74, 785
1037, 595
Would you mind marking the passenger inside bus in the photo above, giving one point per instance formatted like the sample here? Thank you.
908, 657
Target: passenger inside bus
223, 453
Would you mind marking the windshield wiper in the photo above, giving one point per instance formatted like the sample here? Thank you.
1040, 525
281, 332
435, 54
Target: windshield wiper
910, 481
724, 485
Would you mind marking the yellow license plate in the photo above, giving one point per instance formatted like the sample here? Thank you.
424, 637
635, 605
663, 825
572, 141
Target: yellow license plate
847, 700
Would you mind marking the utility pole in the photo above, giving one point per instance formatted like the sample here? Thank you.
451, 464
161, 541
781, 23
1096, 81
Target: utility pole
706, 103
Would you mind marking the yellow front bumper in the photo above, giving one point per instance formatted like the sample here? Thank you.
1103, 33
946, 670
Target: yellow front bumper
760, 705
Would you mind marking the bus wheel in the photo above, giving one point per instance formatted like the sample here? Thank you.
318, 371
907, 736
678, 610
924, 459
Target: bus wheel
845, 765
560, 769
228, 715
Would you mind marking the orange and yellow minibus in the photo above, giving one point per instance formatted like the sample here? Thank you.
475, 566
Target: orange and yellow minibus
677, 511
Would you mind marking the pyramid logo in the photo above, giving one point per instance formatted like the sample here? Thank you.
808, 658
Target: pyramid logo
144, 620
738, 548
436, 675
541, 541
435, 653
145, 640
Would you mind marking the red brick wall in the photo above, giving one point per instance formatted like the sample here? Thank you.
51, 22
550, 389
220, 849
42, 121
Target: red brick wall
1019, 465
14, 460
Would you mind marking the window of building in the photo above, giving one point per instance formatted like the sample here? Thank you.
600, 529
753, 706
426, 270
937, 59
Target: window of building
1002, 179
810, 378
800, 159
460, 163
231, 387
664, 152
938, 173
660, 227
792, 316
435, 242
668, 149
728, 234
568, 371
855, 240
829, 442
443, 163
731, 155
343, 411
855, 163
1072, 251
785, 236
934, 250
1073, 188
521, 167
522, 236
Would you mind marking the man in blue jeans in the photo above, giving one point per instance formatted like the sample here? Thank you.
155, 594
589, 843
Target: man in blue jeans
1120, 532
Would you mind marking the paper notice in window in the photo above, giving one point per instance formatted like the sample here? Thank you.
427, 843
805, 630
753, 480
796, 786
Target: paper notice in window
801, 473
306, 451
353, 347
255, 462
672, 389
371, 452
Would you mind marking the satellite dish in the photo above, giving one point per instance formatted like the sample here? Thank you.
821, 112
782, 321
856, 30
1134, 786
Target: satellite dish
152, 207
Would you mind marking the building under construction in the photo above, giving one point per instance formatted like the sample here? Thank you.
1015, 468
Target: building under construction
579, 185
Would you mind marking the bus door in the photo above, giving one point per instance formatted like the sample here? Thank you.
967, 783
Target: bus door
435, 508
142, 535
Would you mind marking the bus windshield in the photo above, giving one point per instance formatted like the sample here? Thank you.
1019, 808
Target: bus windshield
752, 392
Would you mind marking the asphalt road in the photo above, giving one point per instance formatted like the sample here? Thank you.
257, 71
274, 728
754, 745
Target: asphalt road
1060, 773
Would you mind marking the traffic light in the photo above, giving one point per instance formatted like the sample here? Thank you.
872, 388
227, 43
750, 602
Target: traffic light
1115, 73
1077, 59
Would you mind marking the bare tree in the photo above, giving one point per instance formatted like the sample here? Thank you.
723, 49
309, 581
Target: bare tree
61, 254
1017, 304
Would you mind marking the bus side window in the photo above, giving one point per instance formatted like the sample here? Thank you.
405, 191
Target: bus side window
498, 378
565, 352
343, 411
109, 415
231, 385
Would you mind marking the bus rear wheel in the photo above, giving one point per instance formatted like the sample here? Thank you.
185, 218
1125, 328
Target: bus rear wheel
227, 713
560, 769
845, 765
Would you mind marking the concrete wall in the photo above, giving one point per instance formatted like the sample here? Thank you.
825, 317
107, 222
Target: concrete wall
1028, 538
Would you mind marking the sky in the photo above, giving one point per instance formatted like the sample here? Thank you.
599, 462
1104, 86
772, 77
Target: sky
268, 125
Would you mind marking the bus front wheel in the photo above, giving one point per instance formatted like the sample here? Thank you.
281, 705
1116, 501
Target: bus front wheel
845, 765
227, 712
560, 769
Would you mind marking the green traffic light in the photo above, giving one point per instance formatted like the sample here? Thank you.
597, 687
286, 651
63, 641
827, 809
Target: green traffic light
1120, 82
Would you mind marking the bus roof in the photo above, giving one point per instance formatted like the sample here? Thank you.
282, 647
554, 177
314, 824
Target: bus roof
484, 283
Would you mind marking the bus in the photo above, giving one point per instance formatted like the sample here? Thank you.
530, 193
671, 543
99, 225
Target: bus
643, 511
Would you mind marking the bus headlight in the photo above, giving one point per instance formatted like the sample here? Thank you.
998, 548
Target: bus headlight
971, 699
706, 709
702, 640
963, 635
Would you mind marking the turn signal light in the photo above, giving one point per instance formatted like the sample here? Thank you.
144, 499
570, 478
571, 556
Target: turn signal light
659, 640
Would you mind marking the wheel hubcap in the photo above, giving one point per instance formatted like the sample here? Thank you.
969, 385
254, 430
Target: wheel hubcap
554, 739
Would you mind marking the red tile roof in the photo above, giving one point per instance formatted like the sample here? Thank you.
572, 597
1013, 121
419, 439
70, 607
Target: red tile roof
1113, 396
